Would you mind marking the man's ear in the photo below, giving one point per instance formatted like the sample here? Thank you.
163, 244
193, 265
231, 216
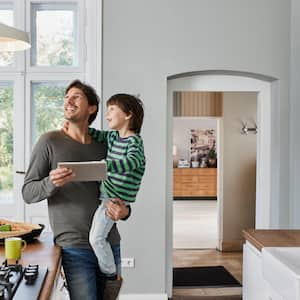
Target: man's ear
92, 109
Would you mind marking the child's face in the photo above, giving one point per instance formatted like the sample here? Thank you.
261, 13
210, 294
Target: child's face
116, 117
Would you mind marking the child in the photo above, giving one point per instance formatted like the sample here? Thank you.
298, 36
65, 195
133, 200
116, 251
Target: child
125, 169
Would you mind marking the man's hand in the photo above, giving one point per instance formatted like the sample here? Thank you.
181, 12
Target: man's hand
61, 176
116, 209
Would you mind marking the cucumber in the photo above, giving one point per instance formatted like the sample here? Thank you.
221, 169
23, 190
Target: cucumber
5, 227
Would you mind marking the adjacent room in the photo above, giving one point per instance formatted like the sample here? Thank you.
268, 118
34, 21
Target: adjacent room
201, 122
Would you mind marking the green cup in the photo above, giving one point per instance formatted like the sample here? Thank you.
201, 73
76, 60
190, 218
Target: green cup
13, 247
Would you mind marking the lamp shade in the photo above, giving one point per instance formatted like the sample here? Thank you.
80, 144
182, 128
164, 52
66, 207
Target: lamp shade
12, 39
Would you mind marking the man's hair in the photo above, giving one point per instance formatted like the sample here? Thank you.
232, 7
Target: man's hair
89, 92
129, 104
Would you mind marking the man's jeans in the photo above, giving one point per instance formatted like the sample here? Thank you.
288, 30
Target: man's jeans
84, 278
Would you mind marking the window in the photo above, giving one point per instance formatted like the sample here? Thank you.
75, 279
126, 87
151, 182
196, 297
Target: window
55, 45
65, 39
6, 17
47, 102
6, 142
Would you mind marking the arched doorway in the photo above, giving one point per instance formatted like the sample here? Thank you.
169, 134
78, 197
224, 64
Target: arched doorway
266, 179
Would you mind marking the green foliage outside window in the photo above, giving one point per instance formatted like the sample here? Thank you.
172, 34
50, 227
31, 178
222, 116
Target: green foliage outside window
56, 50
6, 138
48, 106
48, 115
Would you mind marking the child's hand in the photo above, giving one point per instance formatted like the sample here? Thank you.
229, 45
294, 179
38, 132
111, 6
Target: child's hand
66, 126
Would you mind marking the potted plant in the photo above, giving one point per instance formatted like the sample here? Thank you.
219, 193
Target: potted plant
212, 158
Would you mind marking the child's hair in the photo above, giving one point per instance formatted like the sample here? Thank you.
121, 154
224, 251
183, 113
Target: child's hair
129, 104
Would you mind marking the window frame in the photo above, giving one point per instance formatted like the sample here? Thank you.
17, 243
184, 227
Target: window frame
39, 78
88, 70
19, 22
82, 45
19, 152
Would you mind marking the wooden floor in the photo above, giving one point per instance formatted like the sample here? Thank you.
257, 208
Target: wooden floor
232, 261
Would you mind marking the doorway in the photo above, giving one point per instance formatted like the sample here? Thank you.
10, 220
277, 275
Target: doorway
195, 186
266, 89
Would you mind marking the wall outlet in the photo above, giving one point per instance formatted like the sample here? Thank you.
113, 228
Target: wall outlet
127, 262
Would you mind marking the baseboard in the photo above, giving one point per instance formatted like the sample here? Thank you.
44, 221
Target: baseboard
232, 245
144, 297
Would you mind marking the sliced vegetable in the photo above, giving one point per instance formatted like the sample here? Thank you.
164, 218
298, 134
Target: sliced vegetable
5, 227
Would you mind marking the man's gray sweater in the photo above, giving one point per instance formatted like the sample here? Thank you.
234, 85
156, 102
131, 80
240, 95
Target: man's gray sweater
72, 206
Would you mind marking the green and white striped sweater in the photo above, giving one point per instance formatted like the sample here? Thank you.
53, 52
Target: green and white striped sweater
125, 163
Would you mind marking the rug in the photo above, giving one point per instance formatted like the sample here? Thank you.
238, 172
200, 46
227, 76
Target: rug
216, 276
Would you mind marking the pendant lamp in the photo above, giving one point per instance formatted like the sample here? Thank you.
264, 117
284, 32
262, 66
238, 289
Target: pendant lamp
12, 39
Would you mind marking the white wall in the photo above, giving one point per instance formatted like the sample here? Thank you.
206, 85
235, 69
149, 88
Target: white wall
239, 166
295, 112
182, 132
146, 41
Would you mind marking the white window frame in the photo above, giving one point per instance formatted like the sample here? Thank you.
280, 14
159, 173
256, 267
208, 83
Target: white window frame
81, 25
19, 22
22, 74
18, 156
41, 77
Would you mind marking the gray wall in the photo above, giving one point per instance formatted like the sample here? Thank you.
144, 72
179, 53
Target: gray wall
239, 166
146, 41
295, 111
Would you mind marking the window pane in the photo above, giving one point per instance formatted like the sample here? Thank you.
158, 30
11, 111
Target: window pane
48, 99
6, 17
6, 142
54, 33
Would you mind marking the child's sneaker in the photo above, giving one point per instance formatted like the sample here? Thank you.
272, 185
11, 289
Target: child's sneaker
112, 289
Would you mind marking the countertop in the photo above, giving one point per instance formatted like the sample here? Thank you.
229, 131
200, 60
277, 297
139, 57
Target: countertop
45, 253
272, 237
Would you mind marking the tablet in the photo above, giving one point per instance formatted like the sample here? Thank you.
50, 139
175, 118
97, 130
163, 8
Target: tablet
86, 170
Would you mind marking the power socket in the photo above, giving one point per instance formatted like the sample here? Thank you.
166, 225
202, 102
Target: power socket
127, 262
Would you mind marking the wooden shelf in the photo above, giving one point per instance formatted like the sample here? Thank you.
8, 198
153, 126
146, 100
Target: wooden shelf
194, 182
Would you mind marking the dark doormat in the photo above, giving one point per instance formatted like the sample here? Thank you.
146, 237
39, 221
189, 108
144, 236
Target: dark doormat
229, 297
204, 277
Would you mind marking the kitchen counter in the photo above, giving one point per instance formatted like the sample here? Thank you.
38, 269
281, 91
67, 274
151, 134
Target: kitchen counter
269, 256
272, 238
44, 253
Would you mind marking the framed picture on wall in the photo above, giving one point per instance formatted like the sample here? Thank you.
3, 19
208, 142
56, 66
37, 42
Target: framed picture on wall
203, 147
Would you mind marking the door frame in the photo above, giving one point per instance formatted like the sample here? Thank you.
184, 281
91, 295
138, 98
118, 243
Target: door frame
267, 179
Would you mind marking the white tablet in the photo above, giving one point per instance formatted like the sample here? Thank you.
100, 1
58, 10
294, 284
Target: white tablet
86, 170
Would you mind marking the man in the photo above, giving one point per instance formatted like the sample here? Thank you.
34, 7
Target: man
71, 205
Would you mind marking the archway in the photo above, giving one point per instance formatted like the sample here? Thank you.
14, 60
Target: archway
220, 80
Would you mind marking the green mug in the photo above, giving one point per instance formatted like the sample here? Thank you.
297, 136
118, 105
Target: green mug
13, 247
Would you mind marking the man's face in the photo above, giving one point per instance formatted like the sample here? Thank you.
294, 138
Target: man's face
76, 106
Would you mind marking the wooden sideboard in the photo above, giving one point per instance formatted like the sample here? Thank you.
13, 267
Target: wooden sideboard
194, 182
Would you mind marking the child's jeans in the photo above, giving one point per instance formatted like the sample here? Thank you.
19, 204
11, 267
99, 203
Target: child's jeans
101, 226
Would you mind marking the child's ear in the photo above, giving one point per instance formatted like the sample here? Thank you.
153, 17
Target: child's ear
128, 116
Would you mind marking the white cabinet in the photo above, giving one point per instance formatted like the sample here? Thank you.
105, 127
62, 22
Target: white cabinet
255, 287
59, 290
